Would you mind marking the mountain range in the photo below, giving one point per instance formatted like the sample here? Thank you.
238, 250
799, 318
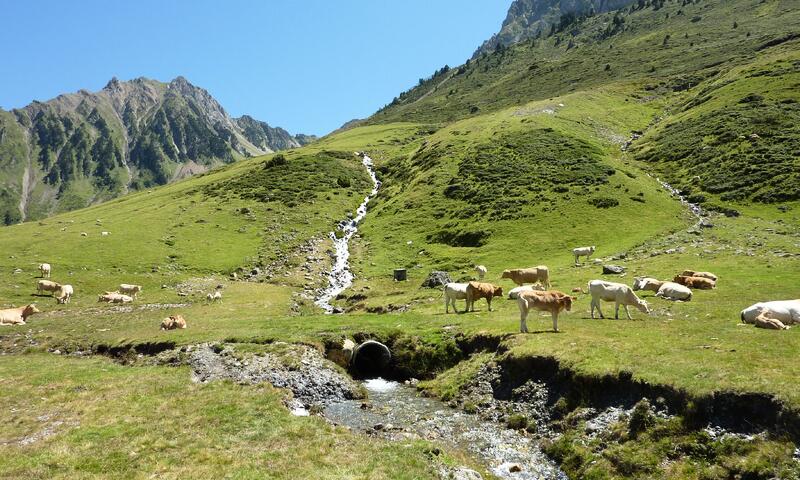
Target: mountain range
83, 148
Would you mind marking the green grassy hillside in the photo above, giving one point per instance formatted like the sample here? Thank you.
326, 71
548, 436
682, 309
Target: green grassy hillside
509, 161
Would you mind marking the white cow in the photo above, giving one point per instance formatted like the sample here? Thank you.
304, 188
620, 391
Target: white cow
583, 252
452, 292
665, 290
64, 294
786, 312
214, 297
618, 293
514, 293
481, 271
45, 269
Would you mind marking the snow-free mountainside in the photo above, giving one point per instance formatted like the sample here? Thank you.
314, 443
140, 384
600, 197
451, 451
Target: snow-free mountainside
83, 148
575, 134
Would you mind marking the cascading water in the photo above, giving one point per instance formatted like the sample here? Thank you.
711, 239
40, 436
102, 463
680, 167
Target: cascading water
340, 277
399, 412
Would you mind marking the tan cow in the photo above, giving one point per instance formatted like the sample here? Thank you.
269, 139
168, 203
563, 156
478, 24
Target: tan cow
114, 297
17, 316
47, 286
698, 283
692, 273
173, 322
550, 301
767, 319
521, 276
478, 290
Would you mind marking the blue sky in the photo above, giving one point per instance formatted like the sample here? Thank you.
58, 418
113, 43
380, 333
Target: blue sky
305, 65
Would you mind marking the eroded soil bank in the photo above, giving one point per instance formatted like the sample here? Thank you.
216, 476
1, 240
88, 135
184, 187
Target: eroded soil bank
612, 426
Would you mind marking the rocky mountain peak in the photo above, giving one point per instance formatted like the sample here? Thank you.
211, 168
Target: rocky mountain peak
526, 18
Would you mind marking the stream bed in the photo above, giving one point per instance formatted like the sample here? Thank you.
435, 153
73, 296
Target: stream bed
397, 411
340, 278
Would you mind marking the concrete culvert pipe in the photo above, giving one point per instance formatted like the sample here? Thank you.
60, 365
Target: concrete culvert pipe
371, 359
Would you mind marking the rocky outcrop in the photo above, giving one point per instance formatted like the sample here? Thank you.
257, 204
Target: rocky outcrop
87, 147
269, 138
527, 18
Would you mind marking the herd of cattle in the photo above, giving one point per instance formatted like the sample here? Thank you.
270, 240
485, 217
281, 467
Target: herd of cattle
126, 293
533, 293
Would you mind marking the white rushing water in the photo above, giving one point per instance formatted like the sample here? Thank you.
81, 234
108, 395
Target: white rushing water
340, 277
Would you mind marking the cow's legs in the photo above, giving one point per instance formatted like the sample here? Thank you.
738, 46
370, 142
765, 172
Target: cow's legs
523, 325
555, 320
489, 303
446, 304
616, 311
627, 312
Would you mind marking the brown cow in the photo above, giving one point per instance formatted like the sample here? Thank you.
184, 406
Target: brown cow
478, 290
692, 273
173, 322
551, 301
521, 276
698, 283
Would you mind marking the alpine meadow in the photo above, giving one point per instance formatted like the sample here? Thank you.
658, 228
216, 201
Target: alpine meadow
317, 276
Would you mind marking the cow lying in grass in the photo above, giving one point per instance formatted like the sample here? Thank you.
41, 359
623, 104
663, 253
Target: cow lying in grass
17, 316
550, 301
697, 283
666, 290
478, 290
173, 322
775, 315
618, 293
692, 273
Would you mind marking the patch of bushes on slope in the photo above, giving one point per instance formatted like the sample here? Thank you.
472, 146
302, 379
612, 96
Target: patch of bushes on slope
523, 165
295, 181
460, 238
746, 151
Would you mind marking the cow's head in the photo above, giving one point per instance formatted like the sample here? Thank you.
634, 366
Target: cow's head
506, 274
30, 310
568, 303
498, 291
643, 307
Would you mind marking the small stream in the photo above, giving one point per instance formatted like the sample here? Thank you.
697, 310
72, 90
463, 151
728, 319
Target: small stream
397, 411
340, 278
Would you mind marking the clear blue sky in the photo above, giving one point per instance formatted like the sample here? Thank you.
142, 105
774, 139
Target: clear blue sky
305, 65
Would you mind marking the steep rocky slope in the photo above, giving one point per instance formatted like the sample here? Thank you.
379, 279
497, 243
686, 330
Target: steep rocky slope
82, 148
534, 18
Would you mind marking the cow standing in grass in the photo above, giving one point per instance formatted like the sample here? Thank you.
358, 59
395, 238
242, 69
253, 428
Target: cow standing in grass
618, 293
550, 301
478, 290
583, 252
45, 269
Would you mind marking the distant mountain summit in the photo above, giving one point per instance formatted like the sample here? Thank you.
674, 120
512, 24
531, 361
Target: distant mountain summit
529, 18
83, 148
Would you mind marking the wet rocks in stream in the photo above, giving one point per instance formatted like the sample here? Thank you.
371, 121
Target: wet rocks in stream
312, 380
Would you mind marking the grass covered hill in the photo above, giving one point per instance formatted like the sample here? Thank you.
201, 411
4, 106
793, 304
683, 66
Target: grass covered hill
508, 161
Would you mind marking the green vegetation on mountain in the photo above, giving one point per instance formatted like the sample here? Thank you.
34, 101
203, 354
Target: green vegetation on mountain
84, 148
510, 160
